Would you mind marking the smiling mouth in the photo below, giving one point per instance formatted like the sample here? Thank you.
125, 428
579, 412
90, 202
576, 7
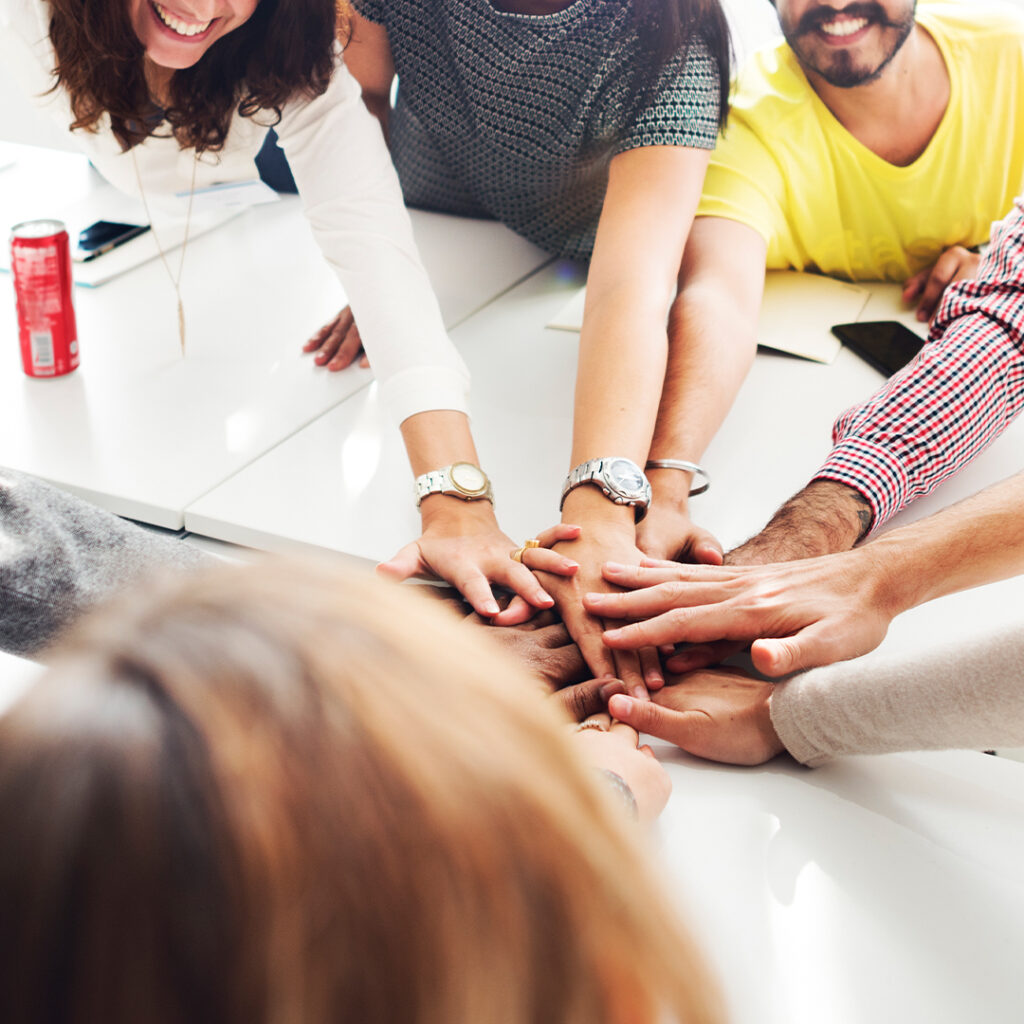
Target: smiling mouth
843, 27
176, 25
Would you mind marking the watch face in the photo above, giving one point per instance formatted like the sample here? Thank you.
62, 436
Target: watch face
624, 476
468, 478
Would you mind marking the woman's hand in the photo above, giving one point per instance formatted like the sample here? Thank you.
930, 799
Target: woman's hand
614, 747
668, 533
463, 544
926, 287
599, 541
799, 614
718, 715
337, 344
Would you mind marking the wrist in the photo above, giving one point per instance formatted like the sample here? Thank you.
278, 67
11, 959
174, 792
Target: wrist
587, 504
441, 508
670, 488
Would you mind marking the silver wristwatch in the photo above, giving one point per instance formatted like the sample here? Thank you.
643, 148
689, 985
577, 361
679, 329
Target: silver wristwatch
460, 480
621, 480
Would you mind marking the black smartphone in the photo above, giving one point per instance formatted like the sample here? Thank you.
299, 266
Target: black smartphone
885, 344
103, 236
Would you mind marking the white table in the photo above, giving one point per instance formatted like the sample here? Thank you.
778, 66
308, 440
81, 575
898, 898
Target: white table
143, 432
882, 889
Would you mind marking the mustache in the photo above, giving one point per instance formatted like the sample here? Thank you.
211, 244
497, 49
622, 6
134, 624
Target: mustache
813, 20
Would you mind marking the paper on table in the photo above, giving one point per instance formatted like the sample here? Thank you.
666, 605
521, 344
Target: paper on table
797, 312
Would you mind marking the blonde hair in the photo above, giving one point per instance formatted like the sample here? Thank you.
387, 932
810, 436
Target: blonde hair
290, 795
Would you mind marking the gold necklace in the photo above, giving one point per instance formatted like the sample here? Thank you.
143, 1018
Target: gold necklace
175, 281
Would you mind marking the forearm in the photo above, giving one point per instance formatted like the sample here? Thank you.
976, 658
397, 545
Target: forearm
437, 438
711, 347
976, 541
823, 518
617, 384
964, 389
962, 695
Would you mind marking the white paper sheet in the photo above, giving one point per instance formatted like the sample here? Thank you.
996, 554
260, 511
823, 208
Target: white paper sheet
794, 313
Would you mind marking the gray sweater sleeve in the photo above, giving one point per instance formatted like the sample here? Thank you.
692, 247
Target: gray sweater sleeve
59, 555
968, 695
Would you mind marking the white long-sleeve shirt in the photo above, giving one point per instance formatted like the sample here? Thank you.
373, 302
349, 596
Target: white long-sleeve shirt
961, 695
349, 191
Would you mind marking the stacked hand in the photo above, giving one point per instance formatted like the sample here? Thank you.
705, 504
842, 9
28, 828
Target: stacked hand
463, 544
797, 614
717, 715
337, 344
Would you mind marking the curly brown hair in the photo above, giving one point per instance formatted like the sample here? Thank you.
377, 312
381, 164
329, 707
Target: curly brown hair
284, 50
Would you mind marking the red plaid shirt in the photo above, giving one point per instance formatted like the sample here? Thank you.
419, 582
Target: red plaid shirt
962, 391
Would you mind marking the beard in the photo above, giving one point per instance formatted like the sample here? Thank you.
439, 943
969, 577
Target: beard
840, 68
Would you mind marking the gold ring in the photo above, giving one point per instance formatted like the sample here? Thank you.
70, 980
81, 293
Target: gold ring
517, 555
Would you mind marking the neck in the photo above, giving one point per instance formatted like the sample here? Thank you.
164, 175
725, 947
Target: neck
897, 114
158, 79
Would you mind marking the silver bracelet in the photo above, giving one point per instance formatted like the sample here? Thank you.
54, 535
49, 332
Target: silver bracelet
686, 467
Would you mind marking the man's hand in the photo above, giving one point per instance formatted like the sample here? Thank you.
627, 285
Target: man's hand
337, 344
926, 287
798, 614
598, 542
462, 543
717, 715
667, 532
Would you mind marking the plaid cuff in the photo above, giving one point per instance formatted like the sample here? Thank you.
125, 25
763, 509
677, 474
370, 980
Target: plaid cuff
872, 470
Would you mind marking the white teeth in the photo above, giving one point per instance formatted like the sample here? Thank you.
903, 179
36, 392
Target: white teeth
845, 27
181, 27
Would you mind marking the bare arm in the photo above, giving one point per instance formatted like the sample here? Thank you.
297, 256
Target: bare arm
820, 610
712, 337
368, 57
824, 517
648, 208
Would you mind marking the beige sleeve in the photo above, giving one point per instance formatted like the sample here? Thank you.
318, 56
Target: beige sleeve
966, 695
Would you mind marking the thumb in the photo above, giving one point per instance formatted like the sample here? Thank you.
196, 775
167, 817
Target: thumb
403, 565
782, 655
707, 551
654, 720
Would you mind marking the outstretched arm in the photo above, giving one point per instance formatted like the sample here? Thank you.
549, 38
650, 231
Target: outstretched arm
816, 611
712, 336
648, 208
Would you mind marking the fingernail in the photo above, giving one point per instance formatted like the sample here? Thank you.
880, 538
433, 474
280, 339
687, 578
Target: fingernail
545, 601
640, 692
614, 566
596, 598
491, 607
613, 634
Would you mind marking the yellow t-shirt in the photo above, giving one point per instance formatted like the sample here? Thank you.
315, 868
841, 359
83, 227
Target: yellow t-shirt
822, 200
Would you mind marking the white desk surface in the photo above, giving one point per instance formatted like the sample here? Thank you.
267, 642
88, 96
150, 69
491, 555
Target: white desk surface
882, 889
354, 495
143, 432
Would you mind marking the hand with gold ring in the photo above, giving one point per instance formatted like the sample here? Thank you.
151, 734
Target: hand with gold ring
536, 555
517, 555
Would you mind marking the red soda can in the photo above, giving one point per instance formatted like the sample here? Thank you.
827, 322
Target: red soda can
41, 262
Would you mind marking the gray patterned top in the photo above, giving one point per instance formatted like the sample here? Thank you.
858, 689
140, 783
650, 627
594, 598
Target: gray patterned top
517, 116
